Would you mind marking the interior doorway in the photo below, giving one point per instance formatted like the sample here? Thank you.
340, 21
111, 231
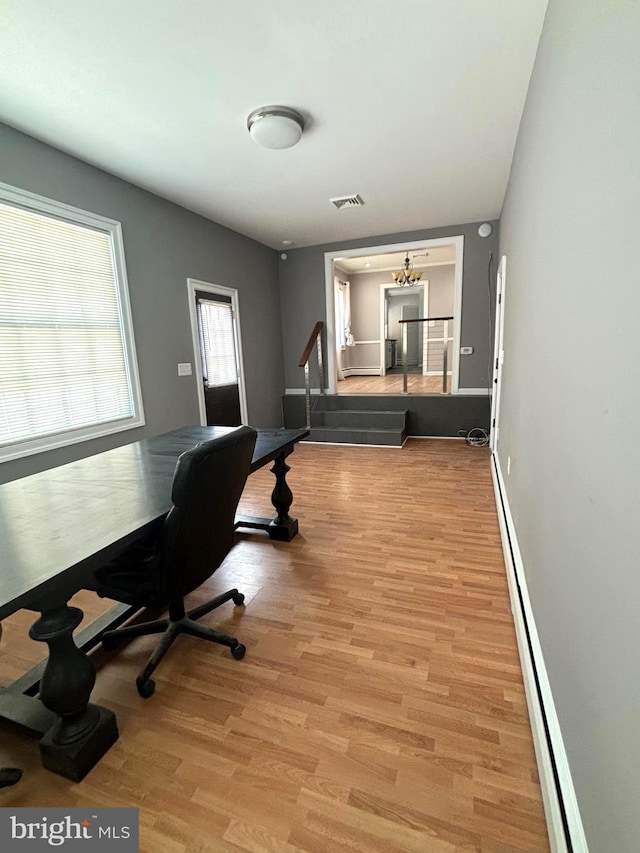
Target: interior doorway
215, 329
367, 362
399, 303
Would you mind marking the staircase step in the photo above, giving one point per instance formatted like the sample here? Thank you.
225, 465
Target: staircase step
352, 435
349, 418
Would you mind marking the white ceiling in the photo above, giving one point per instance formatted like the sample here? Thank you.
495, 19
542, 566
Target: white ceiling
413, 104
419, 258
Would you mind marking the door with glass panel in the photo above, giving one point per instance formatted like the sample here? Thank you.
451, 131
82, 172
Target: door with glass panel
218, 343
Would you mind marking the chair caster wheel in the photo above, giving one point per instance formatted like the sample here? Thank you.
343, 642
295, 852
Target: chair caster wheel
238, 651
146, 688
238, 599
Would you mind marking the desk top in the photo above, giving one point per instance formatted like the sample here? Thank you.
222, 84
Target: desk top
58, 525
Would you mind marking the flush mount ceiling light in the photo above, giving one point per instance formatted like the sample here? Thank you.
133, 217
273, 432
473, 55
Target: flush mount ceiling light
275, 126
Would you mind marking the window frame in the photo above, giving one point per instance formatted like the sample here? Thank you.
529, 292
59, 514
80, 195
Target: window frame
76, 216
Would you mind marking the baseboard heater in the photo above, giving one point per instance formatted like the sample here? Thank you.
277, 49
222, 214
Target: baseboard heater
566, 833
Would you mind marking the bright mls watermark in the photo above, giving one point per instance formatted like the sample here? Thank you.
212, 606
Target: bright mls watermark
82, 830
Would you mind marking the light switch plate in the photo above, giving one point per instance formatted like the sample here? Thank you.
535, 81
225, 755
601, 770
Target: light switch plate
184, 369
466, 350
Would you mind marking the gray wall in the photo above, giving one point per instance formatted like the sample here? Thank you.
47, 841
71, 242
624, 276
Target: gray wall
164, 245
441, 292
365, 304
569, 420
302, 296
365, 318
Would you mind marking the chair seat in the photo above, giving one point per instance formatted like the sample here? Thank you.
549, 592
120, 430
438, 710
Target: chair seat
131, 578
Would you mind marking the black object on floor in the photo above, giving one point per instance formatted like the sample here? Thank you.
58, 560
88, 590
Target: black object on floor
9, 776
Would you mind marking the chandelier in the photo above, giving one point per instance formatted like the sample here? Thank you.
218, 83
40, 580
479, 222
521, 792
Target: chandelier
407, 275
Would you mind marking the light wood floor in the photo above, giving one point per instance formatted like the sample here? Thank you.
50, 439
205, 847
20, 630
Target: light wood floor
380, 705
392, 384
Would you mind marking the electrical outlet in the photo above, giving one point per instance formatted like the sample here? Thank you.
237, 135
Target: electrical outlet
466, 350
184, 369
508, 465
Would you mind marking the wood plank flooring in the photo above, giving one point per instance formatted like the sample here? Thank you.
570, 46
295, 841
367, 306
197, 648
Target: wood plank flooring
392, 383
380, 705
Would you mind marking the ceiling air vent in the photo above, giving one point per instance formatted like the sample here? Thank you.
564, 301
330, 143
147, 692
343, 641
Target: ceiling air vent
347, 201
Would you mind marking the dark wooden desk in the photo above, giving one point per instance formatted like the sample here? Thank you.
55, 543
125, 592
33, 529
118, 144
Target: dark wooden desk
56, 528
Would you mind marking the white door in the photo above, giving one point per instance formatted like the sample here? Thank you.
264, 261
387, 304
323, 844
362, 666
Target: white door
498, 355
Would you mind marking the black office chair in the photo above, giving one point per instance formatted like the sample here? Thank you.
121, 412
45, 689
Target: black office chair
186, 549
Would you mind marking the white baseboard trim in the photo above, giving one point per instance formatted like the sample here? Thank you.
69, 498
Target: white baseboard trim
361, 371
558, 794
300, 391
439, 437
477, 392
348, 444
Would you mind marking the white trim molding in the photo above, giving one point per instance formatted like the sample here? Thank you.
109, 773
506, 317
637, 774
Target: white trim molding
476, 392
558, 794
456, 240
361, 371
68, 435
439, 437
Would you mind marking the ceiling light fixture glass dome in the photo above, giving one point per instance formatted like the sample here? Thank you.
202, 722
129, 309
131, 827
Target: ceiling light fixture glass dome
275, 126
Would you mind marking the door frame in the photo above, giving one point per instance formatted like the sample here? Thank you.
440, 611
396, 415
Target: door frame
194, 285
498, 355
329, 257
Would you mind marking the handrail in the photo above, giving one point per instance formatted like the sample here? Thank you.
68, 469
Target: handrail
304, 358
424, 319
315, 339
405, 366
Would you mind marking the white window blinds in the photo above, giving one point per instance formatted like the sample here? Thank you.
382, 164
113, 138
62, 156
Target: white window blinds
217, 342
63, 347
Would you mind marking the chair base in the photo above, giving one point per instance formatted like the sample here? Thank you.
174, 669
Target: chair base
179, 622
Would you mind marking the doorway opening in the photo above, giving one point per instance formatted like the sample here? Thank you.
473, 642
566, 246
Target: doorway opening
399, 304
364, 306
215, 330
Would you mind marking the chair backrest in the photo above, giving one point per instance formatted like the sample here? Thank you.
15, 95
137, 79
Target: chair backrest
199, 531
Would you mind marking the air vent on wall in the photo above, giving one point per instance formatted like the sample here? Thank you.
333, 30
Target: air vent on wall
347, 201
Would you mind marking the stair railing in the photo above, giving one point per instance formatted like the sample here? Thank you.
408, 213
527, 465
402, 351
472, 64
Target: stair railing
314, 340
445, 350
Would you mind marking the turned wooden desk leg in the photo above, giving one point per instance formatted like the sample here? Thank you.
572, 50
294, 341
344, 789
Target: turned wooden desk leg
283, 527
84, 732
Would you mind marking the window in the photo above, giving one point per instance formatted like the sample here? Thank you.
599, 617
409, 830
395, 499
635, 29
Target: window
217, 343
67, 356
